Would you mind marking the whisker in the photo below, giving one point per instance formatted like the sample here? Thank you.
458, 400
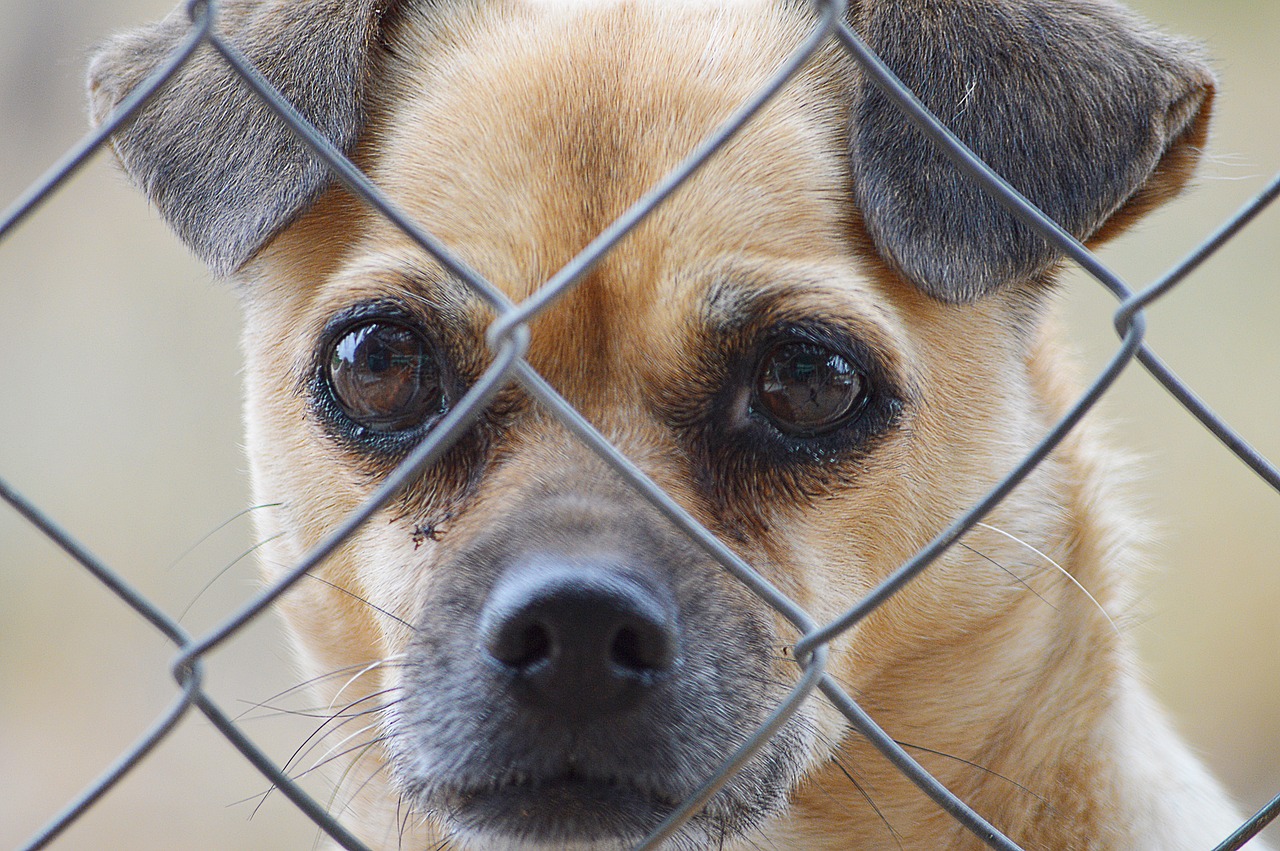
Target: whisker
1009, 571
382, 766
368, 603
402, 820
866, 796
223, 572
269, 703
216, 529
338, 750
975, 765
310, 712
1059, 568
320, 733
372, 666
754, 842
363, 748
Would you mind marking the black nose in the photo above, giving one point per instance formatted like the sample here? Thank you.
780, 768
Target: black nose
579, 641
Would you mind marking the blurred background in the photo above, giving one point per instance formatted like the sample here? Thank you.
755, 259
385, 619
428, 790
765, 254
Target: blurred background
119, 400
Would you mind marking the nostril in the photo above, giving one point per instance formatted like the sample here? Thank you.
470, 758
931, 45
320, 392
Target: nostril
642, 648
521, 645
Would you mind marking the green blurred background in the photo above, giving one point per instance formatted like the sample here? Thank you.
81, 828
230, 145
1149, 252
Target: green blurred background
119, 416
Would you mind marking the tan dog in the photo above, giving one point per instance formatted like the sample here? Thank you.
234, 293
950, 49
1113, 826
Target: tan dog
825, 346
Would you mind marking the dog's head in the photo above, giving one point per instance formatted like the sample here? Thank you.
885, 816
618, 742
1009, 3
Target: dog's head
824, 346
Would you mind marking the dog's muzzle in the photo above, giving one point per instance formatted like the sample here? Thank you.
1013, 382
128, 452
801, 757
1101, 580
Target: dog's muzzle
569, 683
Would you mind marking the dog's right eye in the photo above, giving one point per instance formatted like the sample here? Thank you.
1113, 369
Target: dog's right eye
805, 389
385, 376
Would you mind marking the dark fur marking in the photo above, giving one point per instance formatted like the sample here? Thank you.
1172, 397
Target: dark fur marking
741, 467
1075, 103
225, 172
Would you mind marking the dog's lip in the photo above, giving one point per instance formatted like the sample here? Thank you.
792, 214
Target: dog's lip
568, 805
567, 781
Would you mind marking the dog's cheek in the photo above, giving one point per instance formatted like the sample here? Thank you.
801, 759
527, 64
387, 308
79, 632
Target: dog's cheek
300, 489
395, 566
972, 419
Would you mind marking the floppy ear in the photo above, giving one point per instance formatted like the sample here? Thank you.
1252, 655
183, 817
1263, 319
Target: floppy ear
1091, 114
225, 172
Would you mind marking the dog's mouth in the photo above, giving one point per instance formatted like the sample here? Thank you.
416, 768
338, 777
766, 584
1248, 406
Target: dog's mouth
570, 806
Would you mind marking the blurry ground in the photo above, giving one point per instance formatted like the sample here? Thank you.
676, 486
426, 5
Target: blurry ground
119, 416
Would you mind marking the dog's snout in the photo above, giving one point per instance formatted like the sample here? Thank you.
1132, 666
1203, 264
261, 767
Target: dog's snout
579, 641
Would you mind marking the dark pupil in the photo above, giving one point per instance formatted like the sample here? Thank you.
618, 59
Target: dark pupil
804, 387
385, 378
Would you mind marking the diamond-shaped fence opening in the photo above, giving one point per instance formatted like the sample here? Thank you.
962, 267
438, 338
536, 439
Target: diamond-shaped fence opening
191, 654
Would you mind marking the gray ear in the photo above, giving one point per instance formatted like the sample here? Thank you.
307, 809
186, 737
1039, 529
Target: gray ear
223, 170
1092, 115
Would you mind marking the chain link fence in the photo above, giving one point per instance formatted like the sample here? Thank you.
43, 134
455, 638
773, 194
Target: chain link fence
508, 338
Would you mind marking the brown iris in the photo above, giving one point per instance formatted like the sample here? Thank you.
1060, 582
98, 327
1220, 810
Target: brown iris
807, 389
385, 376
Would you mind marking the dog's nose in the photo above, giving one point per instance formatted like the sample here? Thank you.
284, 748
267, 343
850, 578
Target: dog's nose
579, 641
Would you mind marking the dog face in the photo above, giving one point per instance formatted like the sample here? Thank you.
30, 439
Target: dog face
824, 346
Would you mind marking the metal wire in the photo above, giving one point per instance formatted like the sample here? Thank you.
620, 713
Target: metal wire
508, 337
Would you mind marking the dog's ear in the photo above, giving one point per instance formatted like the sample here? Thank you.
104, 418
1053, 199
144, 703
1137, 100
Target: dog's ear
1091, 114
223, 170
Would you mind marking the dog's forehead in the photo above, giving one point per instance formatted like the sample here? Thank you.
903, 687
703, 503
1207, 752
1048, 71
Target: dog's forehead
516, 138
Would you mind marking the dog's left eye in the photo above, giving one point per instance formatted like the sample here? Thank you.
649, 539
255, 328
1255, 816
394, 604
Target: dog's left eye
806, 389
385, 376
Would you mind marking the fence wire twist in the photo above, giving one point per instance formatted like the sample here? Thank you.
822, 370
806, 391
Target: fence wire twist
508, 337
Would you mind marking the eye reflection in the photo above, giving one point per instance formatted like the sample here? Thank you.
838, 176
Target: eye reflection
807, 389
385, 376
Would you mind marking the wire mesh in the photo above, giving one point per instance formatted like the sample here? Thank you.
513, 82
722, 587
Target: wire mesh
508, 336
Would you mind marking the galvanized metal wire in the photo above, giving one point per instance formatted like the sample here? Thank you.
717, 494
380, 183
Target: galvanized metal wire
508, 337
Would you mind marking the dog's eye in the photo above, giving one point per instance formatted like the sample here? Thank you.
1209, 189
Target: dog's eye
385, 376
806, 389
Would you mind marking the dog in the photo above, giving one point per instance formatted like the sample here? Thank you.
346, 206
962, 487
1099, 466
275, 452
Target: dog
824, 346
